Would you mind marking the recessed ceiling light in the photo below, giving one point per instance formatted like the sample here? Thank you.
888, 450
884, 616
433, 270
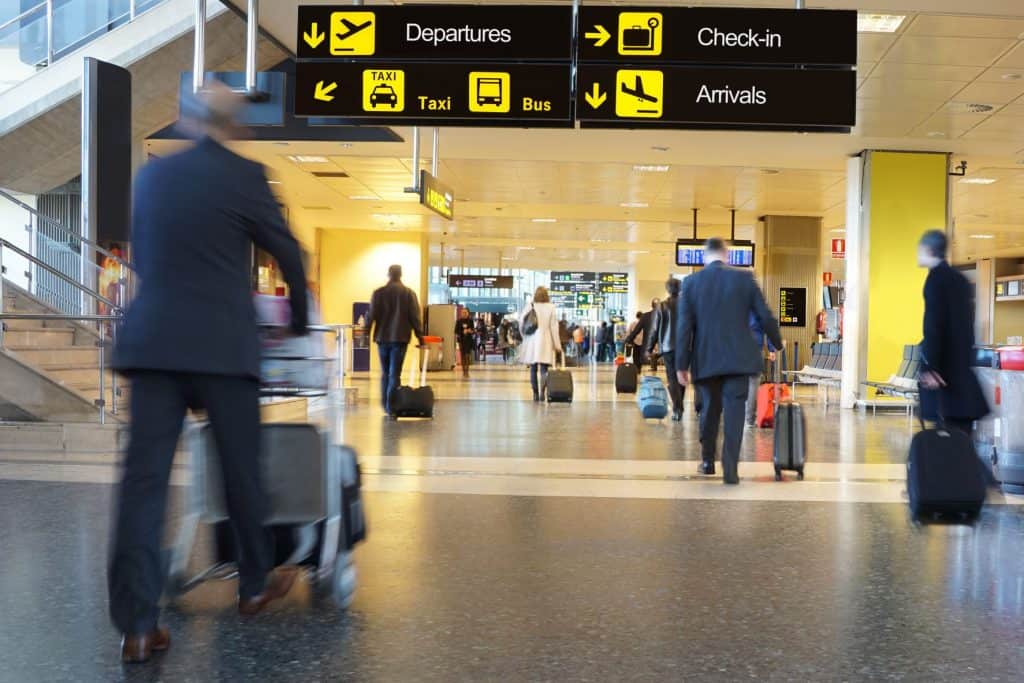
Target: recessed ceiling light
936, 134
635, 251
651, 168
363, 198
879, 23
507, 258
346, 145
307, 159
527, 248
634, 205
273, 182
545, 220
1012, 77
770, 171
838, 230
983, 237
660, 148
978, 181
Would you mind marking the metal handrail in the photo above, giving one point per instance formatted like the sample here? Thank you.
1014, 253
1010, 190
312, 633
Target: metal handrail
21, 16
66, 230
59, 275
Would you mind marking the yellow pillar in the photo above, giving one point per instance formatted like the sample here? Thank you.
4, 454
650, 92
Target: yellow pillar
901, 196
353, 263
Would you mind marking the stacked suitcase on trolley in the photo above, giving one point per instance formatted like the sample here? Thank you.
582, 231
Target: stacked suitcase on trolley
313, 484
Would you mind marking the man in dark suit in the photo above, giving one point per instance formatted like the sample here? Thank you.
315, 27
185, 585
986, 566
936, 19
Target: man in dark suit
715, 350
394, 318
950, 389
190, 341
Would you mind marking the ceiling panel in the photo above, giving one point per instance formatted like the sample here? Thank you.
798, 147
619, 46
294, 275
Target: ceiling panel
962, 51
929, 72
910, 90
991, 93
1013, 59
959, 26
871, 47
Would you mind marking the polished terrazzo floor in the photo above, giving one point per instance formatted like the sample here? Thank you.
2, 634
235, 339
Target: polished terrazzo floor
518, 542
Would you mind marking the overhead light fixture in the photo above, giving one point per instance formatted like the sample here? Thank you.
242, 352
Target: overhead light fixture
651, 168
983, 237
634, 205
363, 198
838, 230
308, 159
879, 23
527, 248
660, 148
507, 258
599, 241
936, 134
545, 220
1012, 77
770, 171
978, 181
273, 182
641, 251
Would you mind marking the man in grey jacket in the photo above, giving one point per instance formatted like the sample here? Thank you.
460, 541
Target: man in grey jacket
715, 350
394, 318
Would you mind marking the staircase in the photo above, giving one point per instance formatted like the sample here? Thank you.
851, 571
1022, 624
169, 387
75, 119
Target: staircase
49, 370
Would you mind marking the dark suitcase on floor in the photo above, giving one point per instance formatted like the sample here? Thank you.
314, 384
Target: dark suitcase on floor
409, 401
944, 475
626, 377
559, 386
790, 439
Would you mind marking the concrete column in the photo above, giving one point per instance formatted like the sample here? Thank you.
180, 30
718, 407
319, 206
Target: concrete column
791, 254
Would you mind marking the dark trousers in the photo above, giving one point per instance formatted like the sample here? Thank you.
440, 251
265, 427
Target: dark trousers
392, 357
467, 360
158, 404
540, 385
676, 391
720, 395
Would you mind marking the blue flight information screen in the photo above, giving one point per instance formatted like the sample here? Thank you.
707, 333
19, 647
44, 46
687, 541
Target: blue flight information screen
691, 253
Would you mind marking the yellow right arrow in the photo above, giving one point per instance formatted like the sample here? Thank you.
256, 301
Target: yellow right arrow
596, 98
312, 37
599, 35
323, 92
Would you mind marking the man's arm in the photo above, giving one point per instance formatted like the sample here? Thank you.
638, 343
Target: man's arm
685, 325
269, 232
934, 323
414, 316
765, 319
659, 319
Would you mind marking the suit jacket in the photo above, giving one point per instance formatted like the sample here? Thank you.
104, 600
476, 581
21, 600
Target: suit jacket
394, 314
196, 216
664, 327
713, 336
948, 346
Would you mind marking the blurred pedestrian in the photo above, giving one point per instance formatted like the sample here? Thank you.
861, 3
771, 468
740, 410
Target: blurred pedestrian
540, 340
664, 339
394, 318
190, 341
465, 337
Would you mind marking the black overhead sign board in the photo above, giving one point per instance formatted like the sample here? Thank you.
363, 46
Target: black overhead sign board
613, 283
481, 281
793, 307
434, 93
572, 276
505, 33
684, 96
717, 35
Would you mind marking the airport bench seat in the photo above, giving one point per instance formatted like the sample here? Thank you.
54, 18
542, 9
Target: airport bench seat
903, 384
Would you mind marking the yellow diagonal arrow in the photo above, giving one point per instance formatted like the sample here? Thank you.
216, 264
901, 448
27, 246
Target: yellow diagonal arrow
595, 98
323, 92
599, 35
312, 37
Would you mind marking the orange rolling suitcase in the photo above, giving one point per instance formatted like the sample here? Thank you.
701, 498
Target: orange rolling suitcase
767, 396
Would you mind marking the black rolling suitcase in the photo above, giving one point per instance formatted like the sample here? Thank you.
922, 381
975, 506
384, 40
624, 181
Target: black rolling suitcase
410, 401
944, 475
626, 378
559, 386
790, 439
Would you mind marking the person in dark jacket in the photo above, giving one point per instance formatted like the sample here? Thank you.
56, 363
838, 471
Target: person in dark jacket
190, 341
664, 340
950, 392
642, 333
714, 349
465, 336
394, 318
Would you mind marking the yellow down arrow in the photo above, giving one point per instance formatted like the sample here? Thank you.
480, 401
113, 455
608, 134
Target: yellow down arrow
596, 98
323, 92
312, 37
599, 35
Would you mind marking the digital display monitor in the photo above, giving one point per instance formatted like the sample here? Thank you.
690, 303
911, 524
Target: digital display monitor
690, 252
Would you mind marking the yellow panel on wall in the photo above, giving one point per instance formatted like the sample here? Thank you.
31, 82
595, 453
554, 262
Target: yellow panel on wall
908, 197
353, 263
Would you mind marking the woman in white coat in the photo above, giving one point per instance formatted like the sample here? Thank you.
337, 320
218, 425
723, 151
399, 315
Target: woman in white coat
540, 349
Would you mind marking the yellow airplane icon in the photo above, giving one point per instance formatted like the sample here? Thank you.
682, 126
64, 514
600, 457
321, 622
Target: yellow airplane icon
352, 33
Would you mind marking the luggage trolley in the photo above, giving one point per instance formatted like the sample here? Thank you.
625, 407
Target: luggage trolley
312, 482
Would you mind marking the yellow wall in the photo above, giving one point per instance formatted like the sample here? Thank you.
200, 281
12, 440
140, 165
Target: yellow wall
908, 197
355, 262
1009, 320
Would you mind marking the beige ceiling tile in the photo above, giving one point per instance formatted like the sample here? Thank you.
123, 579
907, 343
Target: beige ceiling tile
1002, 75
901, 106
991, 93
871, 47
923, 90
1012, 111
1013, 59
928, 72
959, 26
962, 51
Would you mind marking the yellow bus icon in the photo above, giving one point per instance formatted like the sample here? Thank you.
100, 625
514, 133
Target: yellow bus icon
490, 92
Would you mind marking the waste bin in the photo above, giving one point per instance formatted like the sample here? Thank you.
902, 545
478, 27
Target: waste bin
435, 352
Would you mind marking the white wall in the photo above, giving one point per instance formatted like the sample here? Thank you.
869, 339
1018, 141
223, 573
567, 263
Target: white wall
13, 220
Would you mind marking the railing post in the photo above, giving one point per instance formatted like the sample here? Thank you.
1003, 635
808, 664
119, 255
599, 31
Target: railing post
103, 396
252, 34
49, 32
199, 48
131, 10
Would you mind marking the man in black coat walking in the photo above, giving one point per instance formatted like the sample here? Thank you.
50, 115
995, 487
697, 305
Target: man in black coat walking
190, 341
950, 392
714, 349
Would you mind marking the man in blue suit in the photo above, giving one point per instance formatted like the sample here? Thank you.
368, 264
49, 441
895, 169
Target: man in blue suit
715, 349
190, 341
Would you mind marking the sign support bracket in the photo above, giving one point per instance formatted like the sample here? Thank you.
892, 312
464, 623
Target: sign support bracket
415, 187
695, 223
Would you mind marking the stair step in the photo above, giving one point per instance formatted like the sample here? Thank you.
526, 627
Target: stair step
57, 356
51, 437
28, 325
47, 337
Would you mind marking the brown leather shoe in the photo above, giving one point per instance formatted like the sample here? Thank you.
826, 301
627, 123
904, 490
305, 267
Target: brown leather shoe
280, 582
138, 648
